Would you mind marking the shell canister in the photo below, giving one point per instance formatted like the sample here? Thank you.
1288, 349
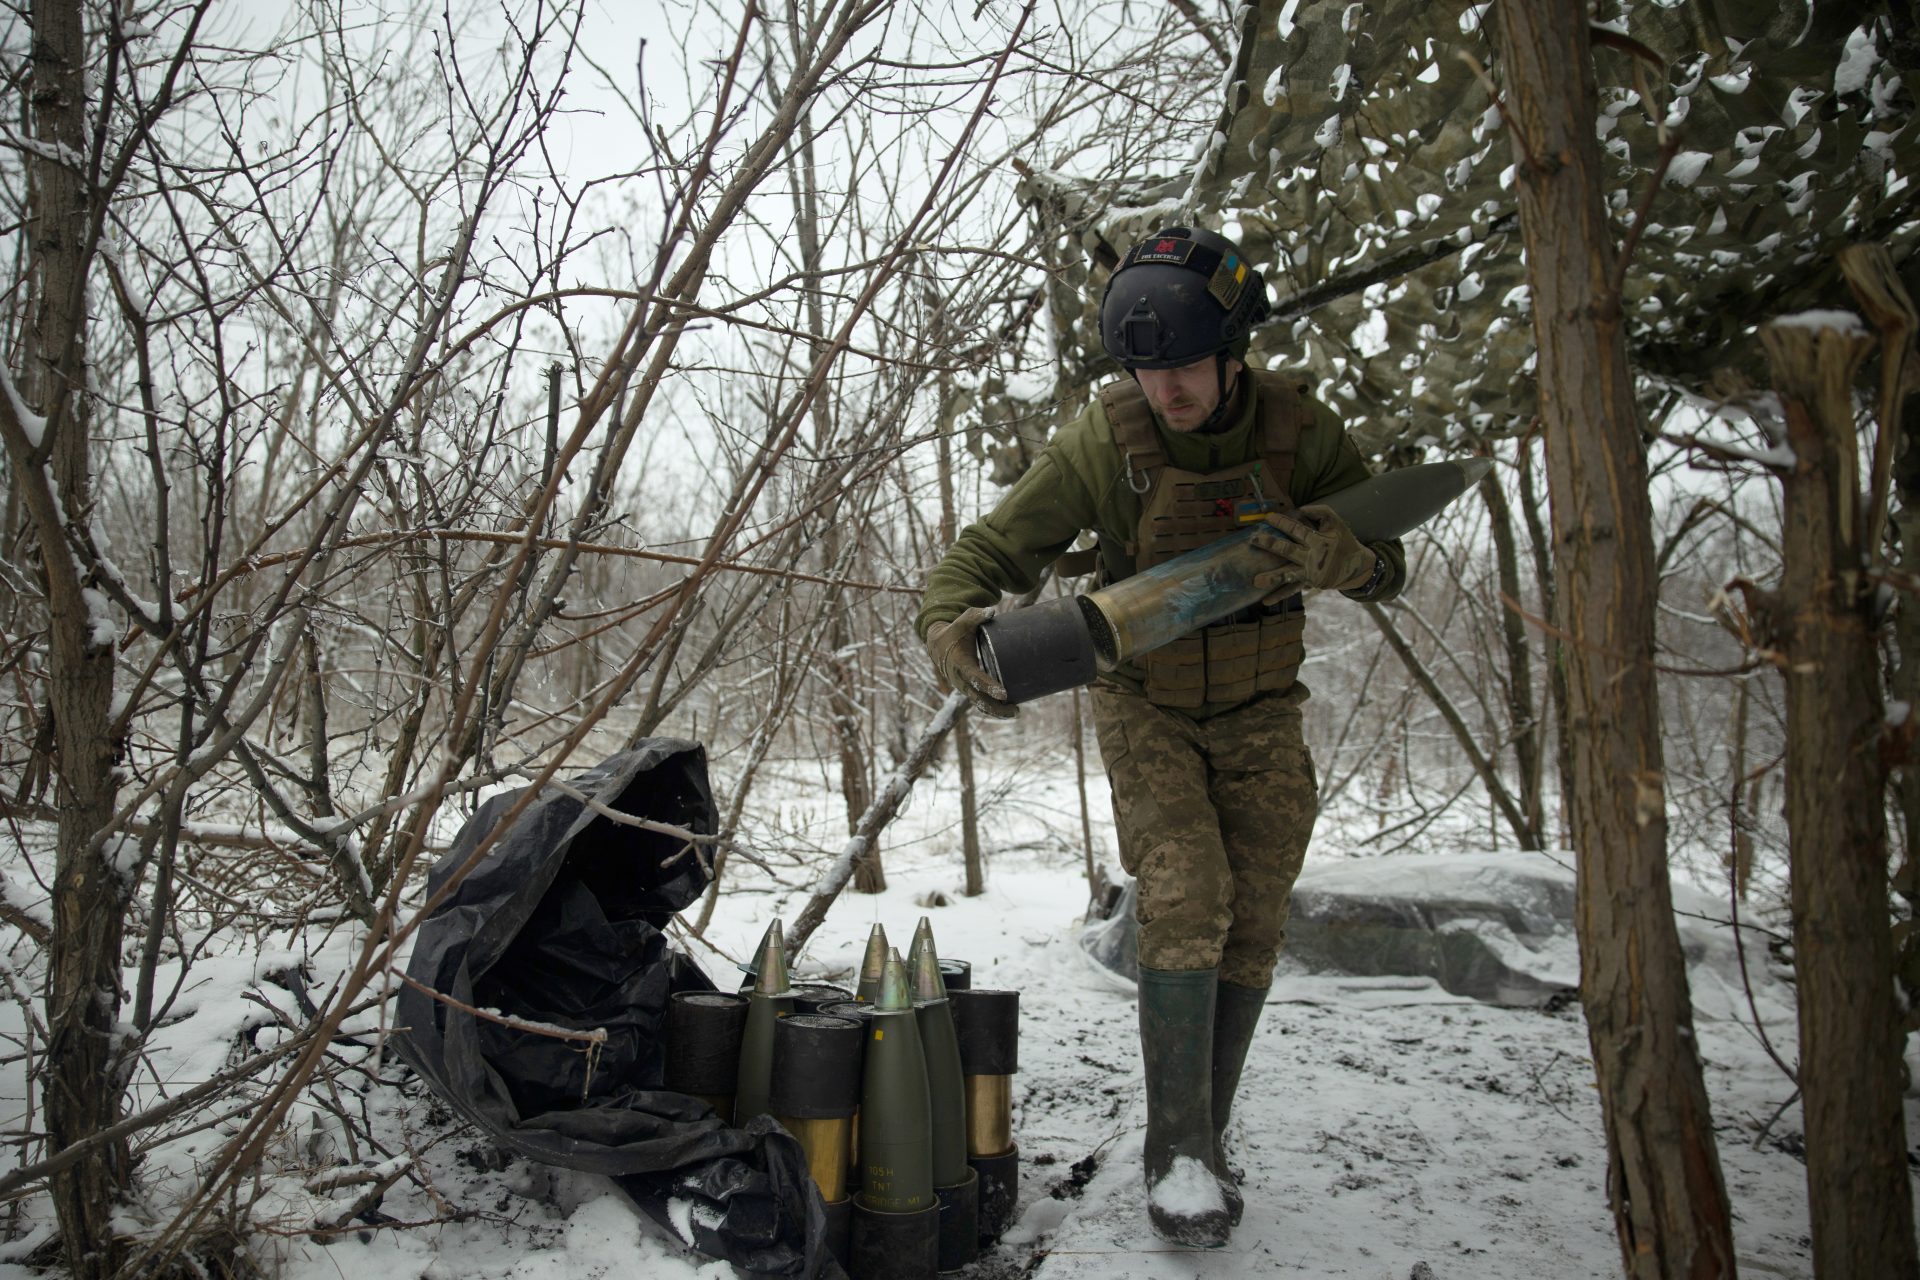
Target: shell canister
987, 1026
703, 1046
859, 1013
809, 997
816, 1089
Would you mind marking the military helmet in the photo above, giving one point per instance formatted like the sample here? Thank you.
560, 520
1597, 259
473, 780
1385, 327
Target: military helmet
1181, 295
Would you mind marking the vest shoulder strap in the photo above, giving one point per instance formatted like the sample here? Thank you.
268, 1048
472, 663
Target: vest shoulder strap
1132, 422
1283, 416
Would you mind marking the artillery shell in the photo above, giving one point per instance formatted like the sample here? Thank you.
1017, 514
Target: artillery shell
941, 1048
1048, 647
896, 1114
772, 1000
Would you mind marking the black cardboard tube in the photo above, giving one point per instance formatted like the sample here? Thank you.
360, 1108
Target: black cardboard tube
894, 1246
809, 997
840, 1230
703, 1041
988, 1025
846, 1009
1041, 649
859, 1013
959, 1222
956, 975
816, 1067
999, 1190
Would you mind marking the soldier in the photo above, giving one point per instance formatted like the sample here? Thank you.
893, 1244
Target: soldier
1213, 790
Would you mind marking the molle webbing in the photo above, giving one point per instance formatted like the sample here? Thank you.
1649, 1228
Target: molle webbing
1233, 659
1282, 416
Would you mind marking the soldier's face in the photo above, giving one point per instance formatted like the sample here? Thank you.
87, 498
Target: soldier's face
1184, 398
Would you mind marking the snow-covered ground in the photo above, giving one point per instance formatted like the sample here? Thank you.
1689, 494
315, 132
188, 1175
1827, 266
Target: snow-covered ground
1382, 1122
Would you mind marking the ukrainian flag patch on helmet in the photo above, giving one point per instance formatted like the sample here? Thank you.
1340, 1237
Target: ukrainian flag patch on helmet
1229, 281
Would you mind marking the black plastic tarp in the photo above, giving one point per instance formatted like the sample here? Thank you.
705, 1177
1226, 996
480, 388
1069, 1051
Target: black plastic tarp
561, 923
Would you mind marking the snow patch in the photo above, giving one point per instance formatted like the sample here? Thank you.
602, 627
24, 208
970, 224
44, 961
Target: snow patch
1188, 1190
1840, 321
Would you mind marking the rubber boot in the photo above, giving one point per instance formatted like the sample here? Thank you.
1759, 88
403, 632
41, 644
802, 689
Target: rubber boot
1184, 1201
1236, 1011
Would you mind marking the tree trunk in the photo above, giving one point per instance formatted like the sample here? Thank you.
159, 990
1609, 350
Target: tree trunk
1664, 1181
1080, 783
842, 669
1850, 1042
886, 803
963, 731
1484, 767
89, 891
1524, 721
1903, 685
1556, 700
1739, 859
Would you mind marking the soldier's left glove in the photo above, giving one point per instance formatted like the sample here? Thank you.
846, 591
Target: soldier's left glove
1317, 548
952, 647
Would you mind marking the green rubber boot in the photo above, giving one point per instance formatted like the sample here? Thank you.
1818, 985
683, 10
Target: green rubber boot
1184, 1199
1236, 1011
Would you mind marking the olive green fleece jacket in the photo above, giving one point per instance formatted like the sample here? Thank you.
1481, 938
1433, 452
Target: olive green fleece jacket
1079, 482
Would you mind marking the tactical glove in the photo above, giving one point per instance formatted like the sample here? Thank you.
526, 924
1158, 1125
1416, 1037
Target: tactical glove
1316, 549
953, 649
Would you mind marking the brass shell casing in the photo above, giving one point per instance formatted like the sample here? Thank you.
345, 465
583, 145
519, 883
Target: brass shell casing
989, 1115
826, 1142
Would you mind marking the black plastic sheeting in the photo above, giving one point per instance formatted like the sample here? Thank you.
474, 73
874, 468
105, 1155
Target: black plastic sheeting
561, 923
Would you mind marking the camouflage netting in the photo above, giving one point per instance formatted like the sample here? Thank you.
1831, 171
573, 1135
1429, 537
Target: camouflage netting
1357, 143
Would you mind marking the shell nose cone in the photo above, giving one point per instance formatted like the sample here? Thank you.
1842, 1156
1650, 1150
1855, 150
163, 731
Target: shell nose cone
1475, 469
896, 991
923, 965
873, 966
772, 978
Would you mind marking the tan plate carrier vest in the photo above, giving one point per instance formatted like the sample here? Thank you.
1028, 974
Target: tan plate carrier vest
1257, 650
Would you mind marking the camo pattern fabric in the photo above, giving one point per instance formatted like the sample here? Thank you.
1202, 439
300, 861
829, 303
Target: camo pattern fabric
1213, 818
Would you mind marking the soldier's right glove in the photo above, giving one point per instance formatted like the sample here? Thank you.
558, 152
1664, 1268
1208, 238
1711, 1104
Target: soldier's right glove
953, 648
1317, 548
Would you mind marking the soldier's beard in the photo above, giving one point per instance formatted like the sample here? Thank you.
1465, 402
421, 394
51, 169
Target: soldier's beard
1209, 421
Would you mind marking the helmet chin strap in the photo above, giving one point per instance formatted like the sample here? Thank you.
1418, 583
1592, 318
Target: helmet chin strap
1221, 407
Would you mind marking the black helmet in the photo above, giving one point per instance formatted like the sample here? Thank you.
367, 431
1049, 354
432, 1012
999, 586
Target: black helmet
1178, 296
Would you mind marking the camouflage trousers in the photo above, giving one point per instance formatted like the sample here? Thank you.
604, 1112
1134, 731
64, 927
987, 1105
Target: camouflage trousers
1213, 817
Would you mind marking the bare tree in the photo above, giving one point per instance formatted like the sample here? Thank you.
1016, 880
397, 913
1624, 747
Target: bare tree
1821, 622
1664, 1181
